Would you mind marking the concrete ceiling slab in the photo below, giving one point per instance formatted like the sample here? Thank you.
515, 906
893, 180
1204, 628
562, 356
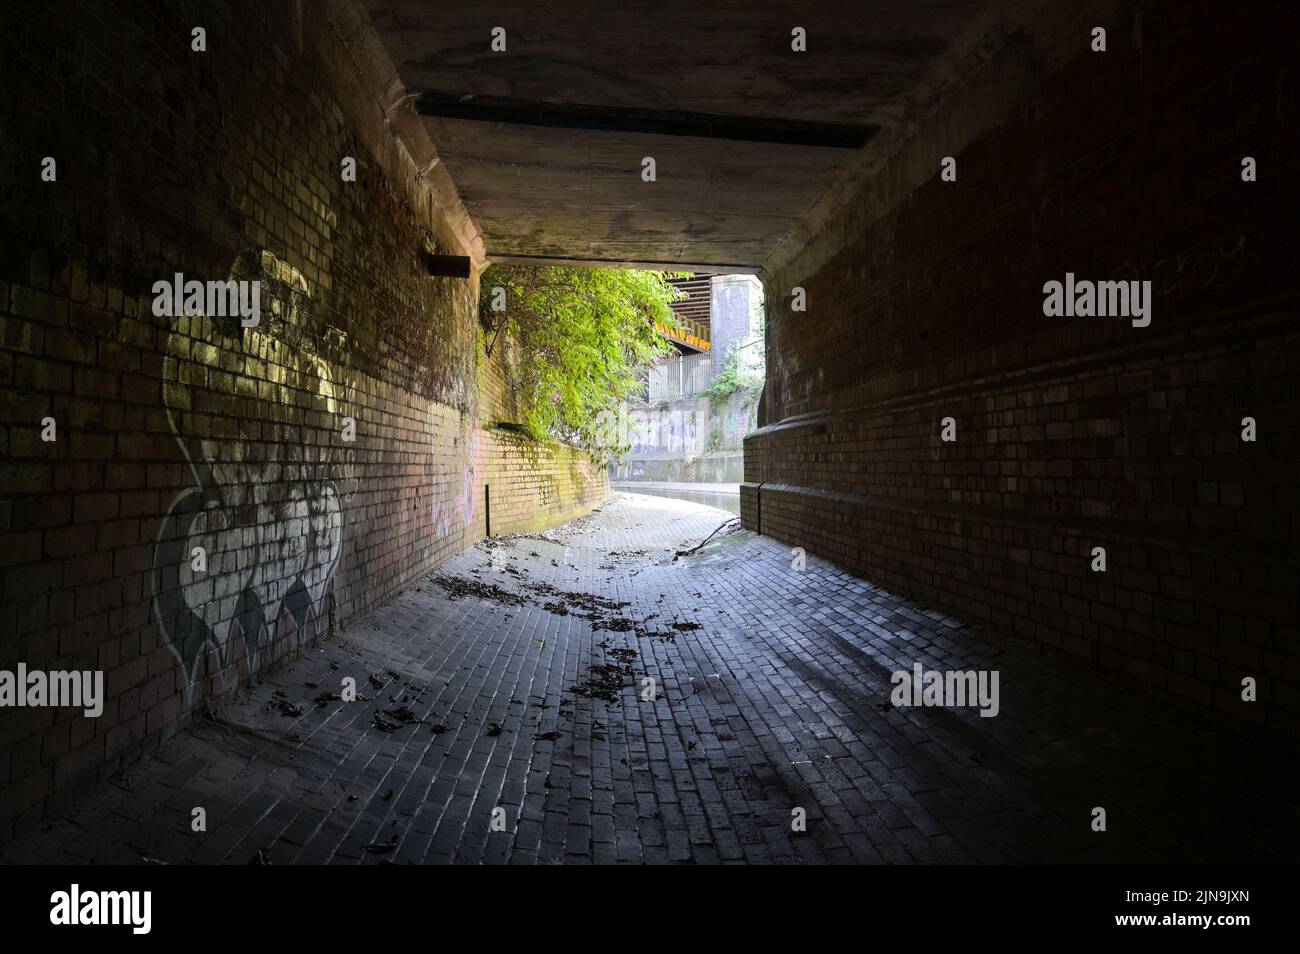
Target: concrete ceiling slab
580, 83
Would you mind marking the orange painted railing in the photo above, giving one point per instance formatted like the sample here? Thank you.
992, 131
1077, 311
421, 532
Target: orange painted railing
687, 332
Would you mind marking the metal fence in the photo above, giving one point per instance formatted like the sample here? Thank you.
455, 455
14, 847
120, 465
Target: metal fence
680, 377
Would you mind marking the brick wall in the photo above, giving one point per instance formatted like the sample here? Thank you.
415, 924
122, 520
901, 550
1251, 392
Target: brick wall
194, 432
925, 302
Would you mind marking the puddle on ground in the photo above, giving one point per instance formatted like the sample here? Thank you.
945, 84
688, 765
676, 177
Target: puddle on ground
725, 547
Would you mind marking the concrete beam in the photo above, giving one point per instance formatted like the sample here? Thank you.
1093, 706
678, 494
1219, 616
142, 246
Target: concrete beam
716, 267
656, 122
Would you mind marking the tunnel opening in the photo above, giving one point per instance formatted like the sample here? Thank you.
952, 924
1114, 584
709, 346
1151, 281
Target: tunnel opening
686, 428
669, 364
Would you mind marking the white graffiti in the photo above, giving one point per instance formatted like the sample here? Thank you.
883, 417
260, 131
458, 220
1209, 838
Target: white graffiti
264, 510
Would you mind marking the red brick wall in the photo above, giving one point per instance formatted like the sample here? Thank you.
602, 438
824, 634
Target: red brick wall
925, 301
176, 433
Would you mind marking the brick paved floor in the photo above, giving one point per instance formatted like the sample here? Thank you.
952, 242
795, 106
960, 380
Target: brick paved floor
777, 701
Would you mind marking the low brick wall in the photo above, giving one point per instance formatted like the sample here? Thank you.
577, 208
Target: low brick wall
532, 486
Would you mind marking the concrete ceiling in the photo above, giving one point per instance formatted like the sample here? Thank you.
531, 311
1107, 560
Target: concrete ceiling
545, 141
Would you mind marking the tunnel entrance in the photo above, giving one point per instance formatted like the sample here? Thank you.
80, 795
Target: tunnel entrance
656, 374
687, 423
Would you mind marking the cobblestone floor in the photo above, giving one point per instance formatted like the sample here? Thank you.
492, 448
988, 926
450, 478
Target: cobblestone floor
772, 696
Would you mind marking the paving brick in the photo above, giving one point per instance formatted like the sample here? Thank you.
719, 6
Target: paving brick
777, 701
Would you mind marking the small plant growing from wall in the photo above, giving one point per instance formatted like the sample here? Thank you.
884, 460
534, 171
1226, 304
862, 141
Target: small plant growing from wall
738, 376
744, 371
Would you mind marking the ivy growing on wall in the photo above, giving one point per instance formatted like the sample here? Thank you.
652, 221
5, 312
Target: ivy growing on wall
736, 376
580, 339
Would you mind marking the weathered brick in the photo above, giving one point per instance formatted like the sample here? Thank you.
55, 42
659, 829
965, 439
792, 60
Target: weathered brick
234, 432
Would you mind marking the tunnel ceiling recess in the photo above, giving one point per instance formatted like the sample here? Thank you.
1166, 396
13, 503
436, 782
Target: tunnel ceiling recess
546, 141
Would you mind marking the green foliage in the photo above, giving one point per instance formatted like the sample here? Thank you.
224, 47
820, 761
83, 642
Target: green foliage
581, 338
736, 375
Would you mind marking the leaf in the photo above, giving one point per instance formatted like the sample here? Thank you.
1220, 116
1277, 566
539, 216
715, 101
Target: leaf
580, 338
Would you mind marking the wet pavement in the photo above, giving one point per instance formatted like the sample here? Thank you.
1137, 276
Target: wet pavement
722, 496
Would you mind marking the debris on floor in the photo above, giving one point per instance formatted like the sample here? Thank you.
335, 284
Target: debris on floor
458, 587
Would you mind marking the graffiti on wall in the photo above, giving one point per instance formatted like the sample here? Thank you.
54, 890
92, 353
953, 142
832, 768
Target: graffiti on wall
1194, 269
244, 563
679, 428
